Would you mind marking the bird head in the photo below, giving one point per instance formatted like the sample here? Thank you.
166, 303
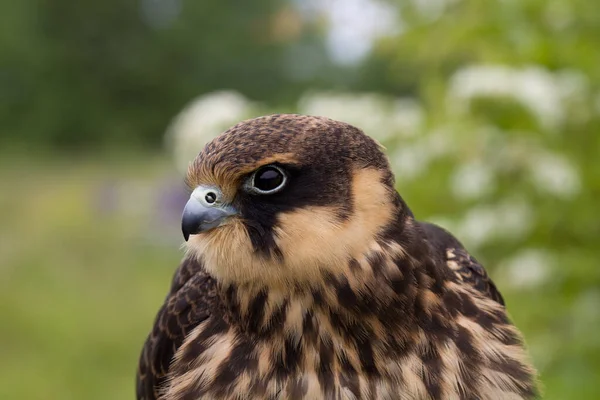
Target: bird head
287, 199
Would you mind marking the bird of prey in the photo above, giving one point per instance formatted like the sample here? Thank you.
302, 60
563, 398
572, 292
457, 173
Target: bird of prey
306, 276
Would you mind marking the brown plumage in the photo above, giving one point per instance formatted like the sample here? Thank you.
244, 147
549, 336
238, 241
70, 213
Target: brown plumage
326, 287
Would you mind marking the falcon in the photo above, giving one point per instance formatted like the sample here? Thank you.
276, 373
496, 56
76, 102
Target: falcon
306, 276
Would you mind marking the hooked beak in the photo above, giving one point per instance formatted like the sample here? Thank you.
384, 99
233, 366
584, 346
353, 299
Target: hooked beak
199, 217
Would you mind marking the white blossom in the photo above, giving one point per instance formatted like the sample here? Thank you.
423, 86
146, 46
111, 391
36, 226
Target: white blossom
472, 180
406, 117
542, 92
515, 218
554, 174
528, 269
379, 116
440, 142
202, 120
409, 161
510, 219
478, 226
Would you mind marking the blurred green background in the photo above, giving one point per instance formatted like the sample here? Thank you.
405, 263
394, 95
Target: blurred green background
490, 112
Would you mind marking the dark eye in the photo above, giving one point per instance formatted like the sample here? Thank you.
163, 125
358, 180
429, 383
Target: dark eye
268, 179
210, 197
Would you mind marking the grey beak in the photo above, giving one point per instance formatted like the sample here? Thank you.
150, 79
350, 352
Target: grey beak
198, 218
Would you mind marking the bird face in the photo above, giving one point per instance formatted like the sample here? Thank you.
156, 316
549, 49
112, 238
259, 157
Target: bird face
286, 199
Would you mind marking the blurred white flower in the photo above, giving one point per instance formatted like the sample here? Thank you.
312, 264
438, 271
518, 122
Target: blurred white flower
510, 219
528, 269
409, 161
379, 116
406, 117
554, 174
202, 120
511, 150
412, 158
478, 226
440, 141
472, 180
515, 218
537, 89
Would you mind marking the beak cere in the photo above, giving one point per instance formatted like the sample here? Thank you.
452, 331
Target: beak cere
198, 217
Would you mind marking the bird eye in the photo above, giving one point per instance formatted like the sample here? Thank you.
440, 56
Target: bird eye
210, 197
268, 180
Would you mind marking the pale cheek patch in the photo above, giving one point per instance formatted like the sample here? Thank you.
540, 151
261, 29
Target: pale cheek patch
309, 241
314, 239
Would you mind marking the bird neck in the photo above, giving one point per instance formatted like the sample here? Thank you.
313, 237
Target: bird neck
381, 291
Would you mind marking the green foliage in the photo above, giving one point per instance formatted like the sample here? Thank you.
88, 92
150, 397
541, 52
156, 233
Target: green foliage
93, 73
